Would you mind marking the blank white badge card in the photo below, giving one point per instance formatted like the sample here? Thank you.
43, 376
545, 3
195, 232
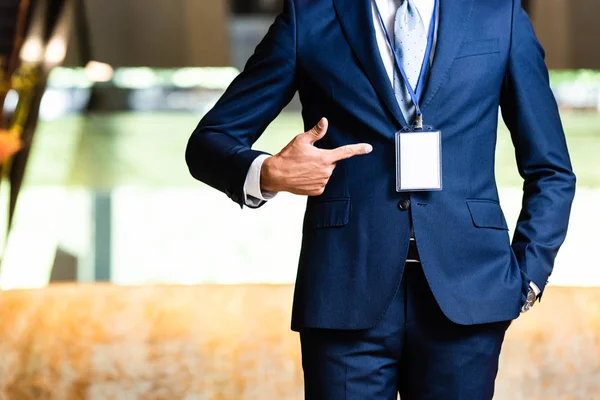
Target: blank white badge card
418, 161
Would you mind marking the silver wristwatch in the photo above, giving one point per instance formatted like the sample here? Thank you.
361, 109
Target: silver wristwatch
531, 299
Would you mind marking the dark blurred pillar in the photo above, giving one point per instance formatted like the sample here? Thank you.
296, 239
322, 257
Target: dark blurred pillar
55, 20
527, 6
256, 6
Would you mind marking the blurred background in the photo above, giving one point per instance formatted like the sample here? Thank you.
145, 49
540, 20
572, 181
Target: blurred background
154, 285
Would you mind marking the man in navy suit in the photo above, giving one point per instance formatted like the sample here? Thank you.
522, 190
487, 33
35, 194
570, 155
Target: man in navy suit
400, 291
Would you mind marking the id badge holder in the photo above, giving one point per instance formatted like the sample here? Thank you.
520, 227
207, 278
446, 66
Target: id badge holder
418, 159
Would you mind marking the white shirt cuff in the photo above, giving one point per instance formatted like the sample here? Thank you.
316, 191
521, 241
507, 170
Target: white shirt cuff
253, 195
535, 288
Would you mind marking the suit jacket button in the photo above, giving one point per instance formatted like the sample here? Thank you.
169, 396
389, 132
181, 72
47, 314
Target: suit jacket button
404, 204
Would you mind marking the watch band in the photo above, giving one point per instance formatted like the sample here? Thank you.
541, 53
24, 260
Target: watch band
530, 301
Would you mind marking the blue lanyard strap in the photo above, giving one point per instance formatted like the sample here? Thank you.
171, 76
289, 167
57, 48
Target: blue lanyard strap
415, 96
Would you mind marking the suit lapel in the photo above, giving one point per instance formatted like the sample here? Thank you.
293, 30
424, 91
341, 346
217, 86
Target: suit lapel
454, 19
357, 23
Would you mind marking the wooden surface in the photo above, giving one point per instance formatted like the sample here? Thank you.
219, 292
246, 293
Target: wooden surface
234, 342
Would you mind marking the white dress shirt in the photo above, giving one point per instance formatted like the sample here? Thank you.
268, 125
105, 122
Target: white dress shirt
254, 196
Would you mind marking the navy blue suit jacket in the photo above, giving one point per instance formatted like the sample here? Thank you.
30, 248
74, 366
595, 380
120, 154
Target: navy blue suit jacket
355, 237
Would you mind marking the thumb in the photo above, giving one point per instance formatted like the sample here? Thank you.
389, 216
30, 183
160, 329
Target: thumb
318, 131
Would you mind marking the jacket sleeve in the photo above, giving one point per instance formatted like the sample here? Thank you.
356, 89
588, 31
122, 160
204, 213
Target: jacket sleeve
219, 150
530, 111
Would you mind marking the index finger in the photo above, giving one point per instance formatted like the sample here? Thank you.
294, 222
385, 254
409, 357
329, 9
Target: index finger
349, 151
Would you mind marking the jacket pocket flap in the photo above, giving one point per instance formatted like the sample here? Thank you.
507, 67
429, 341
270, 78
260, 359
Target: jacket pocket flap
329, 213
487, 214
479, 47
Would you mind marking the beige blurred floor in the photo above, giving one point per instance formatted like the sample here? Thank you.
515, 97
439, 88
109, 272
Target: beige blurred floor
233, 343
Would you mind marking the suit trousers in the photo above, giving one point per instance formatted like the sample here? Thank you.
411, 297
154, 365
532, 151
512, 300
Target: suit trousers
415, 350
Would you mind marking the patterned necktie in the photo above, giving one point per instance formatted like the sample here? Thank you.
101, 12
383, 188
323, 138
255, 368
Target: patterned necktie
410, 40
